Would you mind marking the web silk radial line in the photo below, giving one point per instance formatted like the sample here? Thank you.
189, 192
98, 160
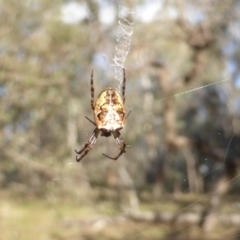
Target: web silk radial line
123, 39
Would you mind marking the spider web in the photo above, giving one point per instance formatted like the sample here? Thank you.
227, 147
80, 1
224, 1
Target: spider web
122, 48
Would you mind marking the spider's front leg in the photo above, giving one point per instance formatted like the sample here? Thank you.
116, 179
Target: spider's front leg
88, 146
120, 142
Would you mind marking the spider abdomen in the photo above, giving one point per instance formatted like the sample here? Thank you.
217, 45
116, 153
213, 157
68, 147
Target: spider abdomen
109, 111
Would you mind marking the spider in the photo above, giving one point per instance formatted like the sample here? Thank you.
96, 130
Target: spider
109, 115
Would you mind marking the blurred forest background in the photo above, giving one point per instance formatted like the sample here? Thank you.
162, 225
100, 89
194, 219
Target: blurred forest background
179, 178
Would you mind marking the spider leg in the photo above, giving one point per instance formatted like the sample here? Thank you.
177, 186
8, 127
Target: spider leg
116, 158
88, 146
128, 114
92, 121
120, 142
92, 92
123, 85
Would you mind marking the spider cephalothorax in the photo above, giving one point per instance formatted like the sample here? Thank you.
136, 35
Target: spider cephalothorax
109, 116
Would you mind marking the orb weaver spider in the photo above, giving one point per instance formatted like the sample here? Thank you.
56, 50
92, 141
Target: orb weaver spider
109, 116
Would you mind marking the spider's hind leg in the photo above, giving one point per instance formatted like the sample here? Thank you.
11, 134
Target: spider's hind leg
92, 91
123, 85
